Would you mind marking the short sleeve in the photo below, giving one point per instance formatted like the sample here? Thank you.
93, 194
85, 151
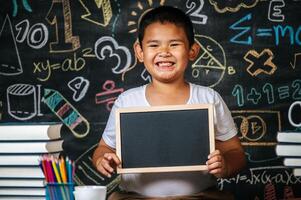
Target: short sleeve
224, 125
130, 98
109, 133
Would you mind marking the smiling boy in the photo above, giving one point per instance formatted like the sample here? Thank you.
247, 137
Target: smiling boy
166, 45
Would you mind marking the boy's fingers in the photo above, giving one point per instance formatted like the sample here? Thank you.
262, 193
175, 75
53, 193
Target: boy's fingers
216, 172
213, 159
112, 157
108, 167
116, 159
215, 165
107, 156
107, 174
107, 164
105, 167
103, 171
214, 153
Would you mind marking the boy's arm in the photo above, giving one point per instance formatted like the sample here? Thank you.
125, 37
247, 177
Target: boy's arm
105, 159
228, 158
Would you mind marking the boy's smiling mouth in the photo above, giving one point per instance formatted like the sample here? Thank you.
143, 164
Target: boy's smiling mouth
165, 65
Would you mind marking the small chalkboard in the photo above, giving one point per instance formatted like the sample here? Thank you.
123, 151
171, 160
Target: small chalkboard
164, 138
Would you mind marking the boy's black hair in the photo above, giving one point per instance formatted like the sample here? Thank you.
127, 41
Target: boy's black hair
166, 14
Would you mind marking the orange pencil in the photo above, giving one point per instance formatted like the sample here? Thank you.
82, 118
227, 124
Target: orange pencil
63, 169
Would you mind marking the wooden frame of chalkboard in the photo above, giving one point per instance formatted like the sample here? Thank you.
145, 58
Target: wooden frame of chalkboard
164, 138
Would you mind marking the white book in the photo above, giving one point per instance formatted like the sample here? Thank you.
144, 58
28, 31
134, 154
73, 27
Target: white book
23, 192
22, 183
30, 132
292, 162
21, 172
288, 150
21, 160
21, 198
297, 172
293, 137
31, 147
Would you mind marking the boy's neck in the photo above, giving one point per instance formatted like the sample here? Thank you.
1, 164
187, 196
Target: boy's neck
168, 88
158, 93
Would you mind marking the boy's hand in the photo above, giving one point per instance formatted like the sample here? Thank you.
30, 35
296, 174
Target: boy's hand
216, 164
107, 164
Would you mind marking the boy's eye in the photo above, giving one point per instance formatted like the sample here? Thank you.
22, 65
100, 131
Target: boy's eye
174, 44
152, 45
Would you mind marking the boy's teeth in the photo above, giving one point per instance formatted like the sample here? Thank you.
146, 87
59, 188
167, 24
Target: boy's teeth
164, 64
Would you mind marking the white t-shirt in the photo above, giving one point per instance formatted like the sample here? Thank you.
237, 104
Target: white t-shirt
171, 183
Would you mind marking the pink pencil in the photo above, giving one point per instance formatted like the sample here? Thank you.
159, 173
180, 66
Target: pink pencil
49, 169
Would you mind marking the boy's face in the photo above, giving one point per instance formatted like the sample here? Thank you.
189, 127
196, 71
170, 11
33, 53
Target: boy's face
165, 51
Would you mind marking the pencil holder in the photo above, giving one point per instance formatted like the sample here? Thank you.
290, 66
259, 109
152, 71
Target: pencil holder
59, 191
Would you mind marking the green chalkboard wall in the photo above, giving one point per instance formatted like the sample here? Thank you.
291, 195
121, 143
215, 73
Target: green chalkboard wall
67, 60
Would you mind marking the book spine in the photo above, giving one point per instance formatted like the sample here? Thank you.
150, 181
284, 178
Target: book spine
288, 150
22, 192
289, 137
31, 147
21, 172
297, 172
29, 132
5, 182
21, 160
292, 162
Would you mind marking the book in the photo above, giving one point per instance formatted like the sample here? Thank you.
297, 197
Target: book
291, 137
31, 147
29, 132
21, 198
288, 150
21, 160
23, 192
297, 172
13, 182
292, 162
21, 172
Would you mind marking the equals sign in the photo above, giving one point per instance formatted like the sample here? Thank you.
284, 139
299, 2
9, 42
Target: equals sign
262, 32
242, 178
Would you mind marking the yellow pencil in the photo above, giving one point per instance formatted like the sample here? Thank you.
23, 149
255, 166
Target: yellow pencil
57, 175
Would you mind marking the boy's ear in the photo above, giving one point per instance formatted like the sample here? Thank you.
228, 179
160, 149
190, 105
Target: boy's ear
194, 51
138, 51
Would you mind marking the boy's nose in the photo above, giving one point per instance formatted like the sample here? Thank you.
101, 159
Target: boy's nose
164, 52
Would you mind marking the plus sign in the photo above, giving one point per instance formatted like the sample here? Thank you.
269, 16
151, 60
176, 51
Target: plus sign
254, 96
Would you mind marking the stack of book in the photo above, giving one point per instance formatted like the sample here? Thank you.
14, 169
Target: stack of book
289, 147
21, 147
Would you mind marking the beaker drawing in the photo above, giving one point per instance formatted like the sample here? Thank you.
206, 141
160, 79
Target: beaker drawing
22, 101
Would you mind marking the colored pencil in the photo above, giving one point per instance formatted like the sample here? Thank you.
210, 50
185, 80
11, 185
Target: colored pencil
58, 174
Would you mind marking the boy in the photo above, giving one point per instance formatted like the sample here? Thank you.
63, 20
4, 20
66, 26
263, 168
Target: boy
166, 45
